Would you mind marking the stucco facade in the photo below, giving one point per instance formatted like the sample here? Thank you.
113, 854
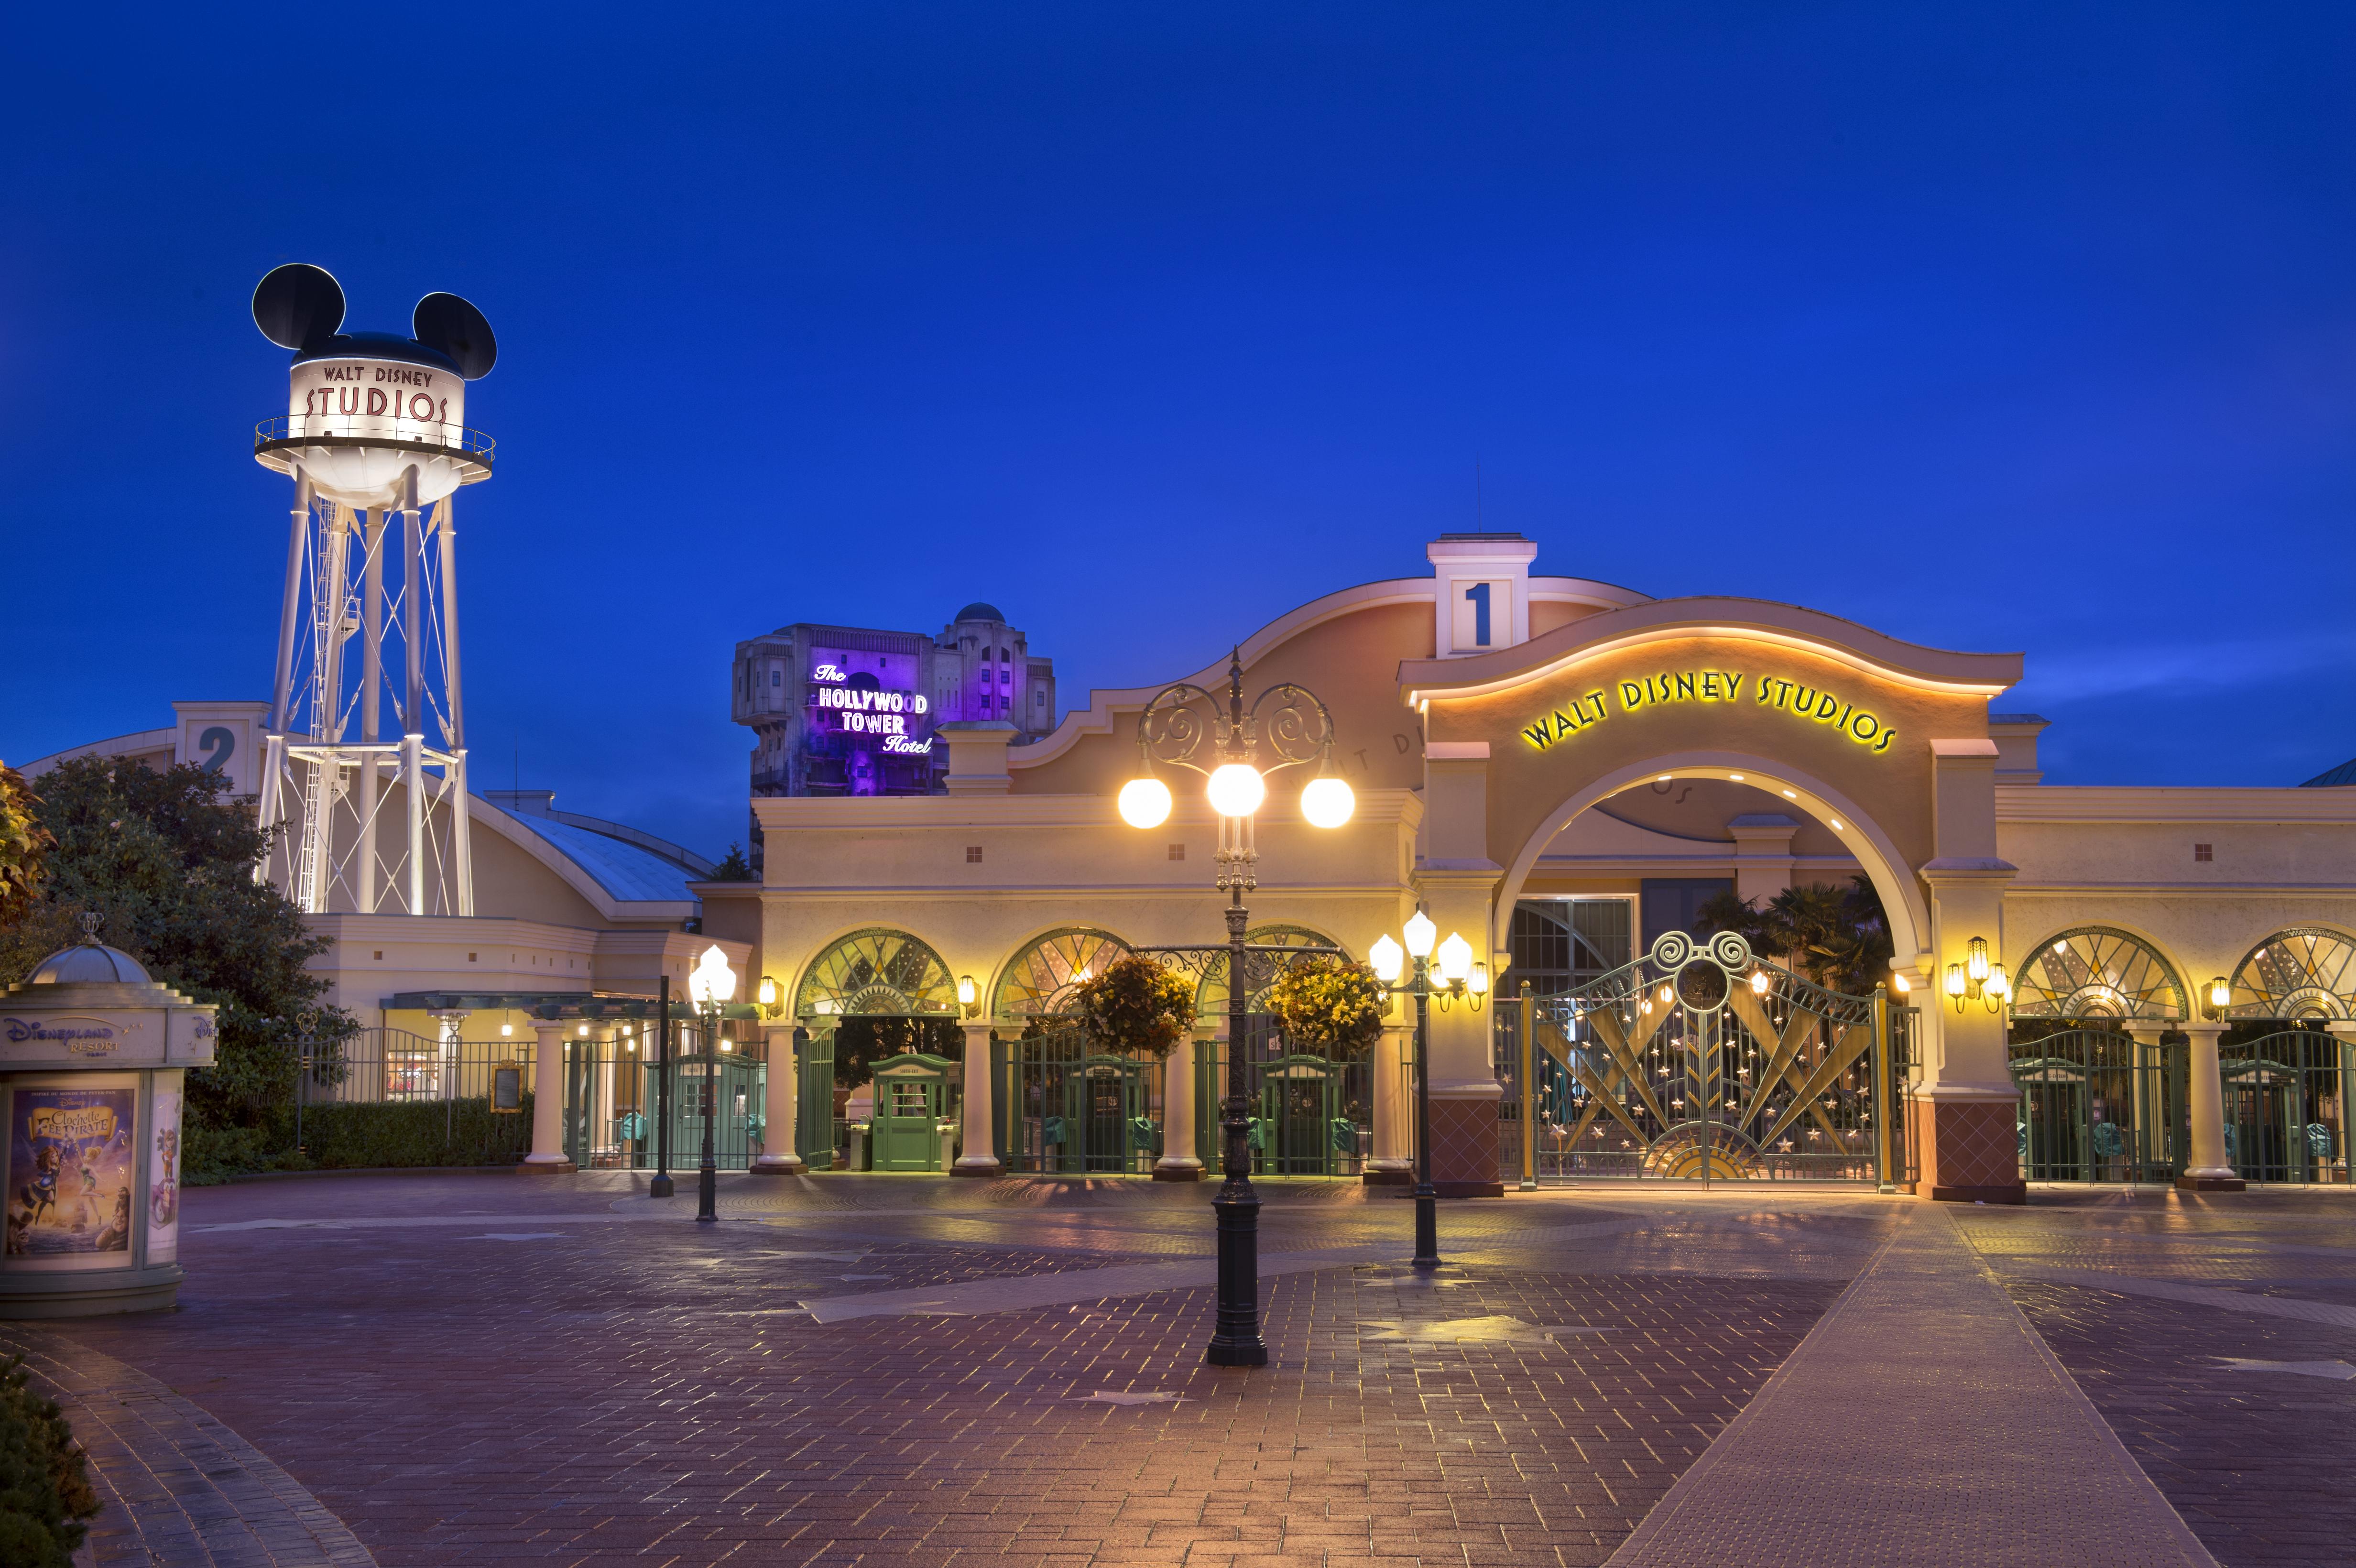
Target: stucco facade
1511, 737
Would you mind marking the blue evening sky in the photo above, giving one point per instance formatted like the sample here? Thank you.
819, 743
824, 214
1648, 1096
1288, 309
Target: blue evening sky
1999, 326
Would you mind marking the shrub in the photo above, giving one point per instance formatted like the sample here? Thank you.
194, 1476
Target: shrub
1328, 1005
367, 1135
1137, 1005
45, 1490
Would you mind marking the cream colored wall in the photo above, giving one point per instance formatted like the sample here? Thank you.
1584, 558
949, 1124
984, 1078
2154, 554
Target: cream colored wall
446, 952
2124, 857
1050, 861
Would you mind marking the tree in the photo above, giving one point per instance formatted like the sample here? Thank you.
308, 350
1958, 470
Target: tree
862, 1041
167, 860
25, 845
1330, 1006
1135, 1004
1838, 937
736, 867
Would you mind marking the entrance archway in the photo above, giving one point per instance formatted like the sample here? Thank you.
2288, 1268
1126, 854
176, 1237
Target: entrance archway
1901, 896
876, 994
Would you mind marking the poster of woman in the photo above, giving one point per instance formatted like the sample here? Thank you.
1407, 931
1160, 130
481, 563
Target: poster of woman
164, 1177
71, 1166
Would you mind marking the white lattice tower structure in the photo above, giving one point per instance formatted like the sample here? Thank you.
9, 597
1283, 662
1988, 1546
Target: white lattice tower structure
365, 767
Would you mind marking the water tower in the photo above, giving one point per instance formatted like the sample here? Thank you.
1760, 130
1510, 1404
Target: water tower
366, 716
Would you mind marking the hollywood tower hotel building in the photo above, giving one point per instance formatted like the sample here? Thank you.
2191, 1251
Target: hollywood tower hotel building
853, 711
2103, 983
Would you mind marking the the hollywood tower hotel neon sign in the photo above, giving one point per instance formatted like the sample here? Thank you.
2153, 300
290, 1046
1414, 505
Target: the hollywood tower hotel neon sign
869, 716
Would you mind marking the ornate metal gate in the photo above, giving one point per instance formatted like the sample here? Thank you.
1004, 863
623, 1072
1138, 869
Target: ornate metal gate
2097, 1105
2287, 1106
1702, 1061
1067, 1107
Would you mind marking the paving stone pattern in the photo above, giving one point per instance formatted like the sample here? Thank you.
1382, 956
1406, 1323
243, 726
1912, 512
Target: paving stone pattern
1922, 1423
2261, 1464
176, 1485
651, 1392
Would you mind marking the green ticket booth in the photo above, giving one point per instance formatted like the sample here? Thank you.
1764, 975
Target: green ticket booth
910, 1129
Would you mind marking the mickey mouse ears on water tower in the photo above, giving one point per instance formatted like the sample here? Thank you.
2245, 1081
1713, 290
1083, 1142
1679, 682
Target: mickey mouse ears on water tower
301, 307
298, 306
456, 328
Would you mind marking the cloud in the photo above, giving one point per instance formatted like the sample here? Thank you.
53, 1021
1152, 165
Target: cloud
2116, 669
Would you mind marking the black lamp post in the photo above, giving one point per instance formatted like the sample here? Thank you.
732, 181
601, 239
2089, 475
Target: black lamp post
661, 1187
712, 984
1173, 731
1460, 976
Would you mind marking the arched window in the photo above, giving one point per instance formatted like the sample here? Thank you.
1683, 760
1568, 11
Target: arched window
1042, 977
2302, 973
1211, 996
2095, 972
876, 971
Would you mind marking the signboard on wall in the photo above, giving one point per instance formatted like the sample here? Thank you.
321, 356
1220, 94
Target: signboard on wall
875, 703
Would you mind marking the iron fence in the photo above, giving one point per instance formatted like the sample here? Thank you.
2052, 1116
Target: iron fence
2098, 1105
2287, 1104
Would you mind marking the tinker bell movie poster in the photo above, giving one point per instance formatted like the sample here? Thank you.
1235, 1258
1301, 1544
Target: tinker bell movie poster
71, 1170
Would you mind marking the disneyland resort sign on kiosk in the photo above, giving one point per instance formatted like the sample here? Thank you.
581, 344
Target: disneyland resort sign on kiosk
93, 1057
1887, 743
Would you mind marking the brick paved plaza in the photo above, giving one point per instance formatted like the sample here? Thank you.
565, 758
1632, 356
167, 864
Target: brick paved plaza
472, 1368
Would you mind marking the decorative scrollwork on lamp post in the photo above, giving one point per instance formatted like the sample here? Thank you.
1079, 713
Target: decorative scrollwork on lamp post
1217, 735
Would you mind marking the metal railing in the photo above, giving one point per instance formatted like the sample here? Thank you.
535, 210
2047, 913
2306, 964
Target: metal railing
481, 1090
301, 429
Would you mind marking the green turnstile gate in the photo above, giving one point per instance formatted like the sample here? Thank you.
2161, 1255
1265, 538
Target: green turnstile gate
905, 1132
2098, 1105
1311, 1115
1065, 1108
731, 1085
2287, 1106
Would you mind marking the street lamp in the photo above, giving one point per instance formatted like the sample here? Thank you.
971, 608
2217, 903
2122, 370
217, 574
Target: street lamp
1460, 976
1294, 728
710, 983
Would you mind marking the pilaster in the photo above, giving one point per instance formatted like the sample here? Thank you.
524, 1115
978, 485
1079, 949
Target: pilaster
1965, 1126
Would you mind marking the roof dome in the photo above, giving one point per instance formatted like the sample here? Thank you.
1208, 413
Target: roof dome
977, 610
90, 962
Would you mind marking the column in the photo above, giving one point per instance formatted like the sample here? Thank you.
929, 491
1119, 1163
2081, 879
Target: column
2204, 1100
1464, 1088
1459, 882
547, 1156
1392, 1163
1179, 1162
980, 1156
1965, 1118
778, 1128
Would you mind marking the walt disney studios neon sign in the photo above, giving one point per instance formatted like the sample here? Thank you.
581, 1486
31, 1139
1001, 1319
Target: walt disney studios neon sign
1800, 700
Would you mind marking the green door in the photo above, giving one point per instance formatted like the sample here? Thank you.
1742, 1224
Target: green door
910, 1098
